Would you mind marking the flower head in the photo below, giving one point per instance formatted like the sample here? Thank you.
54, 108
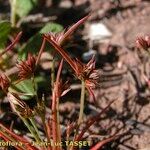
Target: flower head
87, 72
27, 67
4, 83
58, 37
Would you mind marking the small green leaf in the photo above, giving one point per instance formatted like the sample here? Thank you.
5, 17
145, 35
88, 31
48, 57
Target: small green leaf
34, 43
51, 27
25, 87
24, 7
5, 28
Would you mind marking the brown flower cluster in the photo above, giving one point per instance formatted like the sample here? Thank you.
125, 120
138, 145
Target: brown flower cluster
27, 67
87, 72
58, 37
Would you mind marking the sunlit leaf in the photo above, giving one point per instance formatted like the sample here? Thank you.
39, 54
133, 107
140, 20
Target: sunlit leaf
25, 87
25, 6
51, 27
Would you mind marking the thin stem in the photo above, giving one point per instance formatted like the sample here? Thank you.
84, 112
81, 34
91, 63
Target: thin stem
82, 98
55, 110
45, 128
48, 129
58, 123
15, 136
35, 128
55, 123
43, 118
70, 31
54, 120
34, 88
91, 121
34, 85
53, 73
11, 46
13, 12
41, 51
62, 53
30, 129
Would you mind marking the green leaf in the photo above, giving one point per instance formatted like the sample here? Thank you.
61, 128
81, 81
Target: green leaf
51, 27
5, 28
34, 43
23, 7
25, 87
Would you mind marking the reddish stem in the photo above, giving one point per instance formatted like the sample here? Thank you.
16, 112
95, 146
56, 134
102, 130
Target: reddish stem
41, 51
92, 121
54, 120
72, 29
48, 125
11, 46
62, 53
18, 138
99, 145
6, 139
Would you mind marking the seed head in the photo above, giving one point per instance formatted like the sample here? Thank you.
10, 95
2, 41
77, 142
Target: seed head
27, 67
40, 108
57, 37
18, 106
87, 72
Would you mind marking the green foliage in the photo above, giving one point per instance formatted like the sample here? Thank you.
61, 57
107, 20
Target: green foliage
25, 87
34, 43
23, 7
51, 27
5, 28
